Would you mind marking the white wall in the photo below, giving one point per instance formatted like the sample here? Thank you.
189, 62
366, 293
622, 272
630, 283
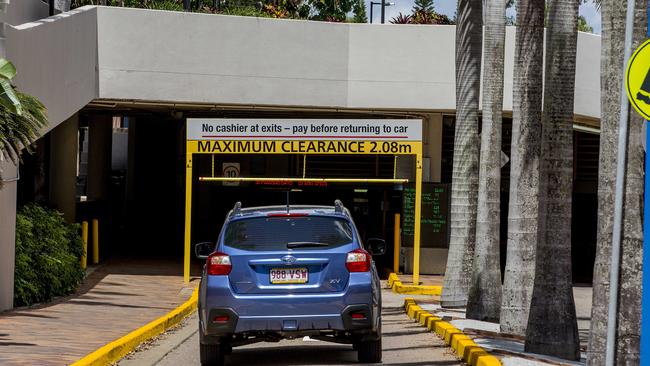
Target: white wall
148, 55
183, 57
23, 11
56, 60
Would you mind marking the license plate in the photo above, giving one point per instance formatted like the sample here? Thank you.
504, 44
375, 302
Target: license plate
289, 275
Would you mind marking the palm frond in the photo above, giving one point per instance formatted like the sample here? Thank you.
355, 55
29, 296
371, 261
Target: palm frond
19, 131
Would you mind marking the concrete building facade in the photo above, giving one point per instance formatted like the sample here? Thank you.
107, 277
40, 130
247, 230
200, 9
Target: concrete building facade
152, 69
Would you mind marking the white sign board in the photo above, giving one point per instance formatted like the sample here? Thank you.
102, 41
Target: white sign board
304, 129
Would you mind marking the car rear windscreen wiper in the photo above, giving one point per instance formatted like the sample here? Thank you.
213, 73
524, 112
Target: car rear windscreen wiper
299, 244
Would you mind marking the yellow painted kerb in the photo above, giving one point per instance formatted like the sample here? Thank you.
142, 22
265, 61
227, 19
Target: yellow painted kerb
464, 346
117, 349
400, 288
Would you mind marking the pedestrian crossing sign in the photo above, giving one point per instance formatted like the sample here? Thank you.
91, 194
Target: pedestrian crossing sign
637, 80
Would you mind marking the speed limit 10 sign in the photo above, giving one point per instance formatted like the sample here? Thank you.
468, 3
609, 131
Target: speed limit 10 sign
230, 170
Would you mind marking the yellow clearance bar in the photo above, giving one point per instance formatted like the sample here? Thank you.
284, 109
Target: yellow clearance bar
337, 147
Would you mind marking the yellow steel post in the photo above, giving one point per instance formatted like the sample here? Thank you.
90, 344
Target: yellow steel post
396, 240
188, 216
84, 238
95, 241
416, 224
395, 167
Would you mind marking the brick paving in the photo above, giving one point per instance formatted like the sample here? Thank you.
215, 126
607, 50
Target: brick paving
115, 299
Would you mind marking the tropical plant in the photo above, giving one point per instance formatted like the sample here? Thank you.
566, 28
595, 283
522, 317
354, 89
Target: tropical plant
8, 97
331, 10
484, 300
173, 5
423, 17
402, 19
246, 11
21, 117
583, 26
359, 11
464, 191
47, 256
552, 324
524, 167
629, 296
275, 11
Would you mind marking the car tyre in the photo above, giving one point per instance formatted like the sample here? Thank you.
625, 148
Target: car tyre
369, 351
212, 355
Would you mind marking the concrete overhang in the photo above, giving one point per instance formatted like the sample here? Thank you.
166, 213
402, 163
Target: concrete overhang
121, 56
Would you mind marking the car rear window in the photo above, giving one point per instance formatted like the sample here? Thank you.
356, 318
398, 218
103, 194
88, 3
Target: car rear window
276, 233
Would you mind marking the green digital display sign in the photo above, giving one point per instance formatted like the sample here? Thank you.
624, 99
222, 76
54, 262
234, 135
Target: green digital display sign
435, 215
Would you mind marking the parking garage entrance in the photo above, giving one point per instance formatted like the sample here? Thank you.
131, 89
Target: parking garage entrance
278, 152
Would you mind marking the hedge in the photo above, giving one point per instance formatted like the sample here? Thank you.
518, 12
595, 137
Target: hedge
47, 256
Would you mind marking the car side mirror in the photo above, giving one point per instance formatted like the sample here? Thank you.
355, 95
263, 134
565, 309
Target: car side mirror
376, 246
203, 250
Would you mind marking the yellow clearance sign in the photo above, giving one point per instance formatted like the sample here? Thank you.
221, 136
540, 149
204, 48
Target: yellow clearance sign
308, 136
637, 80
303, 147
303, 136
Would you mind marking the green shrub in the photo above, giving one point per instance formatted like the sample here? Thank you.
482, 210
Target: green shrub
47, 256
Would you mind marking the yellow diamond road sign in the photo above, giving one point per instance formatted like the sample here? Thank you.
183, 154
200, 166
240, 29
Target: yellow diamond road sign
637, 80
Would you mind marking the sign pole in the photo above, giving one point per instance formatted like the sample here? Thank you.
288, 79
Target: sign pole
614, 268
188, 215
418, 211
645, 298
645, 301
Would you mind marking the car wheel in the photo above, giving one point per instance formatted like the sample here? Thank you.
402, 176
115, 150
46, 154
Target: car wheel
369, 351
212, 355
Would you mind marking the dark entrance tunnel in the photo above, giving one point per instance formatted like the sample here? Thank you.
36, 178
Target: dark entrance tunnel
372, 205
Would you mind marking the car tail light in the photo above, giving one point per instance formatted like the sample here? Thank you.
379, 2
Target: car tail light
358, 261
219, 264
358, 316
221, 319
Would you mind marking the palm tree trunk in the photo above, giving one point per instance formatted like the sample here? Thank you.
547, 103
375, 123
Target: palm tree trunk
464, 188
629, 313
484, 301
552, 324
524, 167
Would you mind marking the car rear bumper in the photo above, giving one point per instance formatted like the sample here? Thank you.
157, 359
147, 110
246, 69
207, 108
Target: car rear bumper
287, 313
287, 324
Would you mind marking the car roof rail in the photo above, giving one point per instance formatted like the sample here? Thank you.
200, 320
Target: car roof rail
237, 209
338, 206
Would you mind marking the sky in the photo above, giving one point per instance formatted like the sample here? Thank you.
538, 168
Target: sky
448, 7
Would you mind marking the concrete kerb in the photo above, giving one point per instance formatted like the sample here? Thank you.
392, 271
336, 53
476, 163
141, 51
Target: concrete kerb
398, 287
464, 346
117, 349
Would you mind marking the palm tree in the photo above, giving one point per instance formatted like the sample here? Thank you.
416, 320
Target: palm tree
484, 301
629, 297
464, 190
21, 117
524, 167
552, 324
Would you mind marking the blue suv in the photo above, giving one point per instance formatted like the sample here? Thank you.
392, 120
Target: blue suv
281, 272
